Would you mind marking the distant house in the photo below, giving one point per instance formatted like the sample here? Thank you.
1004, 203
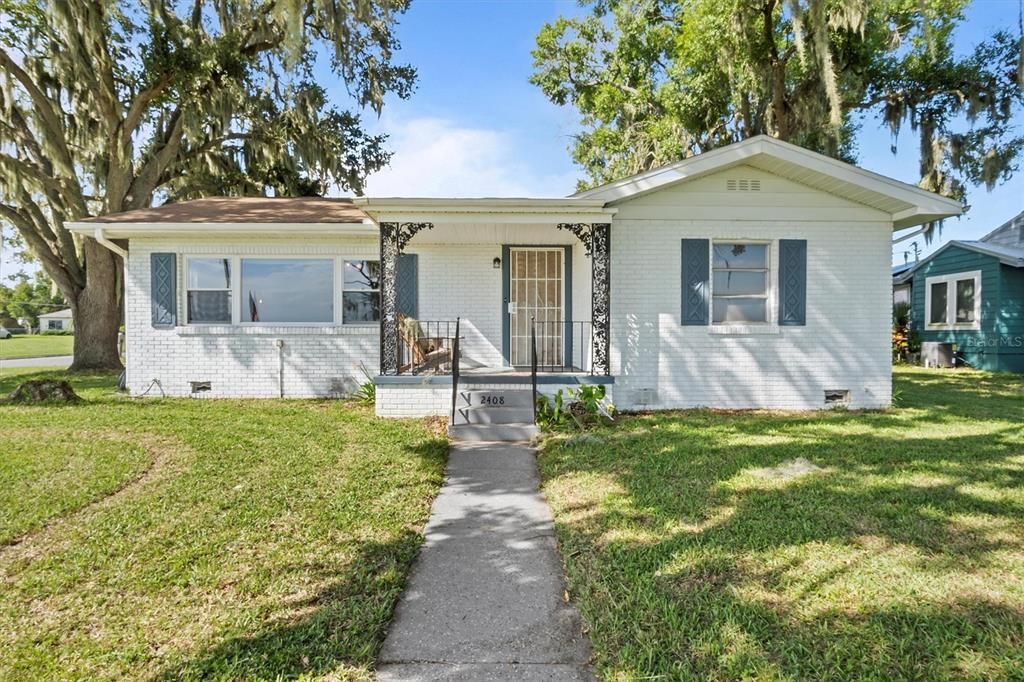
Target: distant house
900, 286
971, 294
57, 321
748, 276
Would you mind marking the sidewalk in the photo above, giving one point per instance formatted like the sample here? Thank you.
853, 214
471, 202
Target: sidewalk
51, 361
485, 598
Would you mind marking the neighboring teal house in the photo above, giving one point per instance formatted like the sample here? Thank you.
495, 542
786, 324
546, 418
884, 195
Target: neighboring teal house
971, 294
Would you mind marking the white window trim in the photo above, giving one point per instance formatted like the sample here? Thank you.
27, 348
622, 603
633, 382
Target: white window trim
770, 325
340, 291
183, 303
236, 314
337, 287
950, 281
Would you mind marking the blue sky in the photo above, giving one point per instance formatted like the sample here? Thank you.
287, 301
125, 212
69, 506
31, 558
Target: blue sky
476, 127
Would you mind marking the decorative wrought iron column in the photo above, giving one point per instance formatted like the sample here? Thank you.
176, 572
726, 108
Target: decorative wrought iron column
601, 294
393, 238
597, 244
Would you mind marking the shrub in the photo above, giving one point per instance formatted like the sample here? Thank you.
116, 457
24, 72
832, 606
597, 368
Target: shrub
578, 408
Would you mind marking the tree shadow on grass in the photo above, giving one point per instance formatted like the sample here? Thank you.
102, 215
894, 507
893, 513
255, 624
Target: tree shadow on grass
718, 571
337, 629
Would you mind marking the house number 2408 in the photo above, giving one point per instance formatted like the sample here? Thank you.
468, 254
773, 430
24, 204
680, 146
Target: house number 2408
492, 400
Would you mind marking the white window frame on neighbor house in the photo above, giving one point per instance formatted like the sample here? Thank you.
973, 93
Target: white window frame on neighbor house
950, 282
337, 289
770, 287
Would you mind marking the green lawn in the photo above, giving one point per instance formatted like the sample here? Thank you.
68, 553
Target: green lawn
35, 346
841, 545
188, 539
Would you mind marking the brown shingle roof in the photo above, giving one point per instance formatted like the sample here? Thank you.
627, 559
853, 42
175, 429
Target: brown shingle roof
243, 210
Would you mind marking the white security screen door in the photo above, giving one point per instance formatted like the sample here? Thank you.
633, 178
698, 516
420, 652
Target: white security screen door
536, 290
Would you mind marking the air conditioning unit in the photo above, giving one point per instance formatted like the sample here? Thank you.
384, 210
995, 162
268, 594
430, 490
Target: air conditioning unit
936, 354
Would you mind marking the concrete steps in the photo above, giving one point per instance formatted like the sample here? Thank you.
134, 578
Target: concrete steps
493, 415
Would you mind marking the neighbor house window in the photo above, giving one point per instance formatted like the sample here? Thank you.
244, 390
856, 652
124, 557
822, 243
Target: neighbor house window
360, 295
54, 325
288, 290
739, 284
954, 301
208, 285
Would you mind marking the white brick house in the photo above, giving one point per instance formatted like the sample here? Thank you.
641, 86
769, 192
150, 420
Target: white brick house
756, 275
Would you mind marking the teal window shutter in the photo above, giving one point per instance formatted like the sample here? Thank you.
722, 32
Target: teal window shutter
792, 282
163, 273
408, 285
696, 286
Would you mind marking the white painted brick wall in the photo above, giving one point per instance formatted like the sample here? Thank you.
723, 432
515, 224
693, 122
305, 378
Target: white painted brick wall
242, 361
427, 400
845, 344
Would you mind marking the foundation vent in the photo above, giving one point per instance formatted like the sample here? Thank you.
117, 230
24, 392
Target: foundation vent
837, 396
743, 185
199, 386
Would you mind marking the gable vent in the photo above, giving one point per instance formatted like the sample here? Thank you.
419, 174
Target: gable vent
743, 185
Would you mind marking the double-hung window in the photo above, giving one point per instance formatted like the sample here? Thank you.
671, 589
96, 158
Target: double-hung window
954, 301
360, 294
739, 283
288, 290
208, 284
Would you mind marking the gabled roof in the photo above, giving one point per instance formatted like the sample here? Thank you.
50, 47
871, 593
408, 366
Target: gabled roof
1005, 254
57, 314
1010, 233
908, 205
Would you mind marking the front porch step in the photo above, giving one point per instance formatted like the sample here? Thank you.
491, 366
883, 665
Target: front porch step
506, 398
493, 415
509, 433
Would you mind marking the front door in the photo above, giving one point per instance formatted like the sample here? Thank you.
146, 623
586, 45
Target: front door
536, 291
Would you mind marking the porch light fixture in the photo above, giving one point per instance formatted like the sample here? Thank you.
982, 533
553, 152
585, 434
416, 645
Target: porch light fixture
496, 263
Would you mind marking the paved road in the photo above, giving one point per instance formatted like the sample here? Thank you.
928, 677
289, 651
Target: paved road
485, 598
52, 361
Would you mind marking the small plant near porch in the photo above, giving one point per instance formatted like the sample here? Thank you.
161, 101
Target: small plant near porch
576, 408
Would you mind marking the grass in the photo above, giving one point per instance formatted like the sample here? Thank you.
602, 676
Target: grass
841, 545
200, 539
35, 346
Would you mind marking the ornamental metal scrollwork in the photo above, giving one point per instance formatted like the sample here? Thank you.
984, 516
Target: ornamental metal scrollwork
601, 289
407, 231
393, 239
582, 232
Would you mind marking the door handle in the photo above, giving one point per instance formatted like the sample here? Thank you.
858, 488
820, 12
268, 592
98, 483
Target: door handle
512, 308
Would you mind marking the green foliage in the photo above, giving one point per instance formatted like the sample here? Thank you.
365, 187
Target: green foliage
117, 105
579, 408
28, 299
658, 80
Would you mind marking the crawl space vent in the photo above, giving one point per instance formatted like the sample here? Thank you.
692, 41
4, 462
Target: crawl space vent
743, 185
840, 396
200, 386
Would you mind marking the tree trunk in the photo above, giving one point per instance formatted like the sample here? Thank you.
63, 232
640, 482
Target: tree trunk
97, 310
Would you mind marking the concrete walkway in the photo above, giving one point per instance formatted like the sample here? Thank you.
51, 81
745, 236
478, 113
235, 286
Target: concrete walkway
485, 598
51, 361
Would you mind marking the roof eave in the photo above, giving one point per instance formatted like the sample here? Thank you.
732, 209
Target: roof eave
121, 230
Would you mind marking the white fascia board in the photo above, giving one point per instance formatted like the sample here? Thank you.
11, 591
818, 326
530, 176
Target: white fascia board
130, 230
428, 216
461, 211
922, 204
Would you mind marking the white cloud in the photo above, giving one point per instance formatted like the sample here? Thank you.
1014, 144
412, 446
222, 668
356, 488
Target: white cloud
436, 157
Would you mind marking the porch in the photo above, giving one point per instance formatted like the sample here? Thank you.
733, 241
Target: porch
491, 295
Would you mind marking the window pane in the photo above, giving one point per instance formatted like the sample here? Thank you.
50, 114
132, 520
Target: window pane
209, 273
289, 290
937, 314
740, 256
732, 283
740, 310
360, 306
209, 306
362, 275
965, 300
